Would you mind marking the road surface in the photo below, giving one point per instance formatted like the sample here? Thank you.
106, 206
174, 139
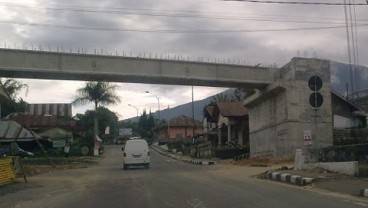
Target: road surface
168, 183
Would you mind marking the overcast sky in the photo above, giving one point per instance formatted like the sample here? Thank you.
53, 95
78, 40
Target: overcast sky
239, 31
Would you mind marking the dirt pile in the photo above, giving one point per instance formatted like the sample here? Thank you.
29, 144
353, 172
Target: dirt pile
264, 162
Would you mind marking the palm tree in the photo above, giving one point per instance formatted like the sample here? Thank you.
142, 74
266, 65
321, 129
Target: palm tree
13, 87
99, 93
9, 91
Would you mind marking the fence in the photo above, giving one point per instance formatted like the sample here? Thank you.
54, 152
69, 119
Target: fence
254, 155
357, 152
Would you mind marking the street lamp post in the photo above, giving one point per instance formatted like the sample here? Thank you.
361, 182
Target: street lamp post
135, 108
158, 104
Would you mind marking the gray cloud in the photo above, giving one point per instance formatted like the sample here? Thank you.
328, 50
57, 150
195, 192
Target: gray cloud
253, 47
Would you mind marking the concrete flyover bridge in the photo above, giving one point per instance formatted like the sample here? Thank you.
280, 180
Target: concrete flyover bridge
280, 113
75, 66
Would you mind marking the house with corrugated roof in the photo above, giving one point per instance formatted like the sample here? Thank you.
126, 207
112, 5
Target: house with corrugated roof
51, 120
228, 121
11, 131
180, 127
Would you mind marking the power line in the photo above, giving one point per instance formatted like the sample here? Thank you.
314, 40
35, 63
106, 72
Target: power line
302, 3
114, 11
193, 31
121, 11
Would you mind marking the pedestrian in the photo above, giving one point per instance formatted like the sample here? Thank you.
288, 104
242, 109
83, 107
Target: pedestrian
66, 151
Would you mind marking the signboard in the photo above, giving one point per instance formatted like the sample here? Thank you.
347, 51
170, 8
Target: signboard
107, 130
307, 134
7, 173
125, 132
58, 144
84, 150
315, 84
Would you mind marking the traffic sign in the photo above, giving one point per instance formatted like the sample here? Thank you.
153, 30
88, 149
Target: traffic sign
315, 84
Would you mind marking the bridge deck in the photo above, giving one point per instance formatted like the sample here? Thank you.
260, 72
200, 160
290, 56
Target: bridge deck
72, 66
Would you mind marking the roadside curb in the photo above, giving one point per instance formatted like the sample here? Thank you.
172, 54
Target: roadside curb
291, 179
187, 160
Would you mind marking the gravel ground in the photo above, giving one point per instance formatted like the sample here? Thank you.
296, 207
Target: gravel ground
334, 182
37, 169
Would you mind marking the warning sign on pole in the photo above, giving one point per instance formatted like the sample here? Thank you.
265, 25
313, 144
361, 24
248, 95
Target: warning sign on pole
307, 137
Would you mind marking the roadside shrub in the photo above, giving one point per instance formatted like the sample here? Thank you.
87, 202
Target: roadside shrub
363, 170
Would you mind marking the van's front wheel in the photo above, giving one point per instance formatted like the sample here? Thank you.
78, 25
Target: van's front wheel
125, 167
147, 166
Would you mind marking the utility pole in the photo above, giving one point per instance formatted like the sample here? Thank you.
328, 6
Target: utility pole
158, 104
193, 113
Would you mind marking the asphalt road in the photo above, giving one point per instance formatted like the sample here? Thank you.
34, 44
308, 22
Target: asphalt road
167, 183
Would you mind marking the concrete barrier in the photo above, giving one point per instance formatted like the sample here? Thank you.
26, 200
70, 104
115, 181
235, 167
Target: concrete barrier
288, 178
307, 181
285, 177
275, 176
182, 159
347, 168
364, 192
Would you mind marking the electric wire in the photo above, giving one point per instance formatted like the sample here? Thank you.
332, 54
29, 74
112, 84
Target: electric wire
108, 11
301, 3
191, 31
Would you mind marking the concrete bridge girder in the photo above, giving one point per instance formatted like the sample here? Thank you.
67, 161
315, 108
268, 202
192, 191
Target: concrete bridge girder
66, 66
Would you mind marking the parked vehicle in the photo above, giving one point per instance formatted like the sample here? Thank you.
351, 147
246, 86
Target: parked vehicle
136, 152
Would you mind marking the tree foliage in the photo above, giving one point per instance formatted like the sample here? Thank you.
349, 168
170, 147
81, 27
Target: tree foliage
238, 95
106, 118
12, 88
98, 93
146, 124
102, 93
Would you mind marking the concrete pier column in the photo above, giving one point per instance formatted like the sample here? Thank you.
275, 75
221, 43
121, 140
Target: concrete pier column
219, 136
240, 137
228, 132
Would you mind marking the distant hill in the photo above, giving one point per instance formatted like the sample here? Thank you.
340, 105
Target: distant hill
186, 109
340, 75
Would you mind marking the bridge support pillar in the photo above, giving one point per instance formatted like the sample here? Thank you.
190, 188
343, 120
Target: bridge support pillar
280, 114
219, 133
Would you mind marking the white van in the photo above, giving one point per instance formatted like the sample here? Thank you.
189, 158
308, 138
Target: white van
136, 152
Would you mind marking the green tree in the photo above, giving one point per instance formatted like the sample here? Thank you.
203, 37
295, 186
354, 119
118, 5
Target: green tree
106, 118
102, 93
241, 93
146, 124
12, 88
129, 124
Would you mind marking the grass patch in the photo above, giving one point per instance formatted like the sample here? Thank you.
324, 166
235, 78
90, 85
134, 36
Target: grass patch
363, 169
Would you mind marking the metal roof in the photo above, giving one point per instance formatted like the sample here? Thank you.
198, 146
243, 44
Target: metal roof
232, 109
40, 121
11, 130
183, 120
49, 109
